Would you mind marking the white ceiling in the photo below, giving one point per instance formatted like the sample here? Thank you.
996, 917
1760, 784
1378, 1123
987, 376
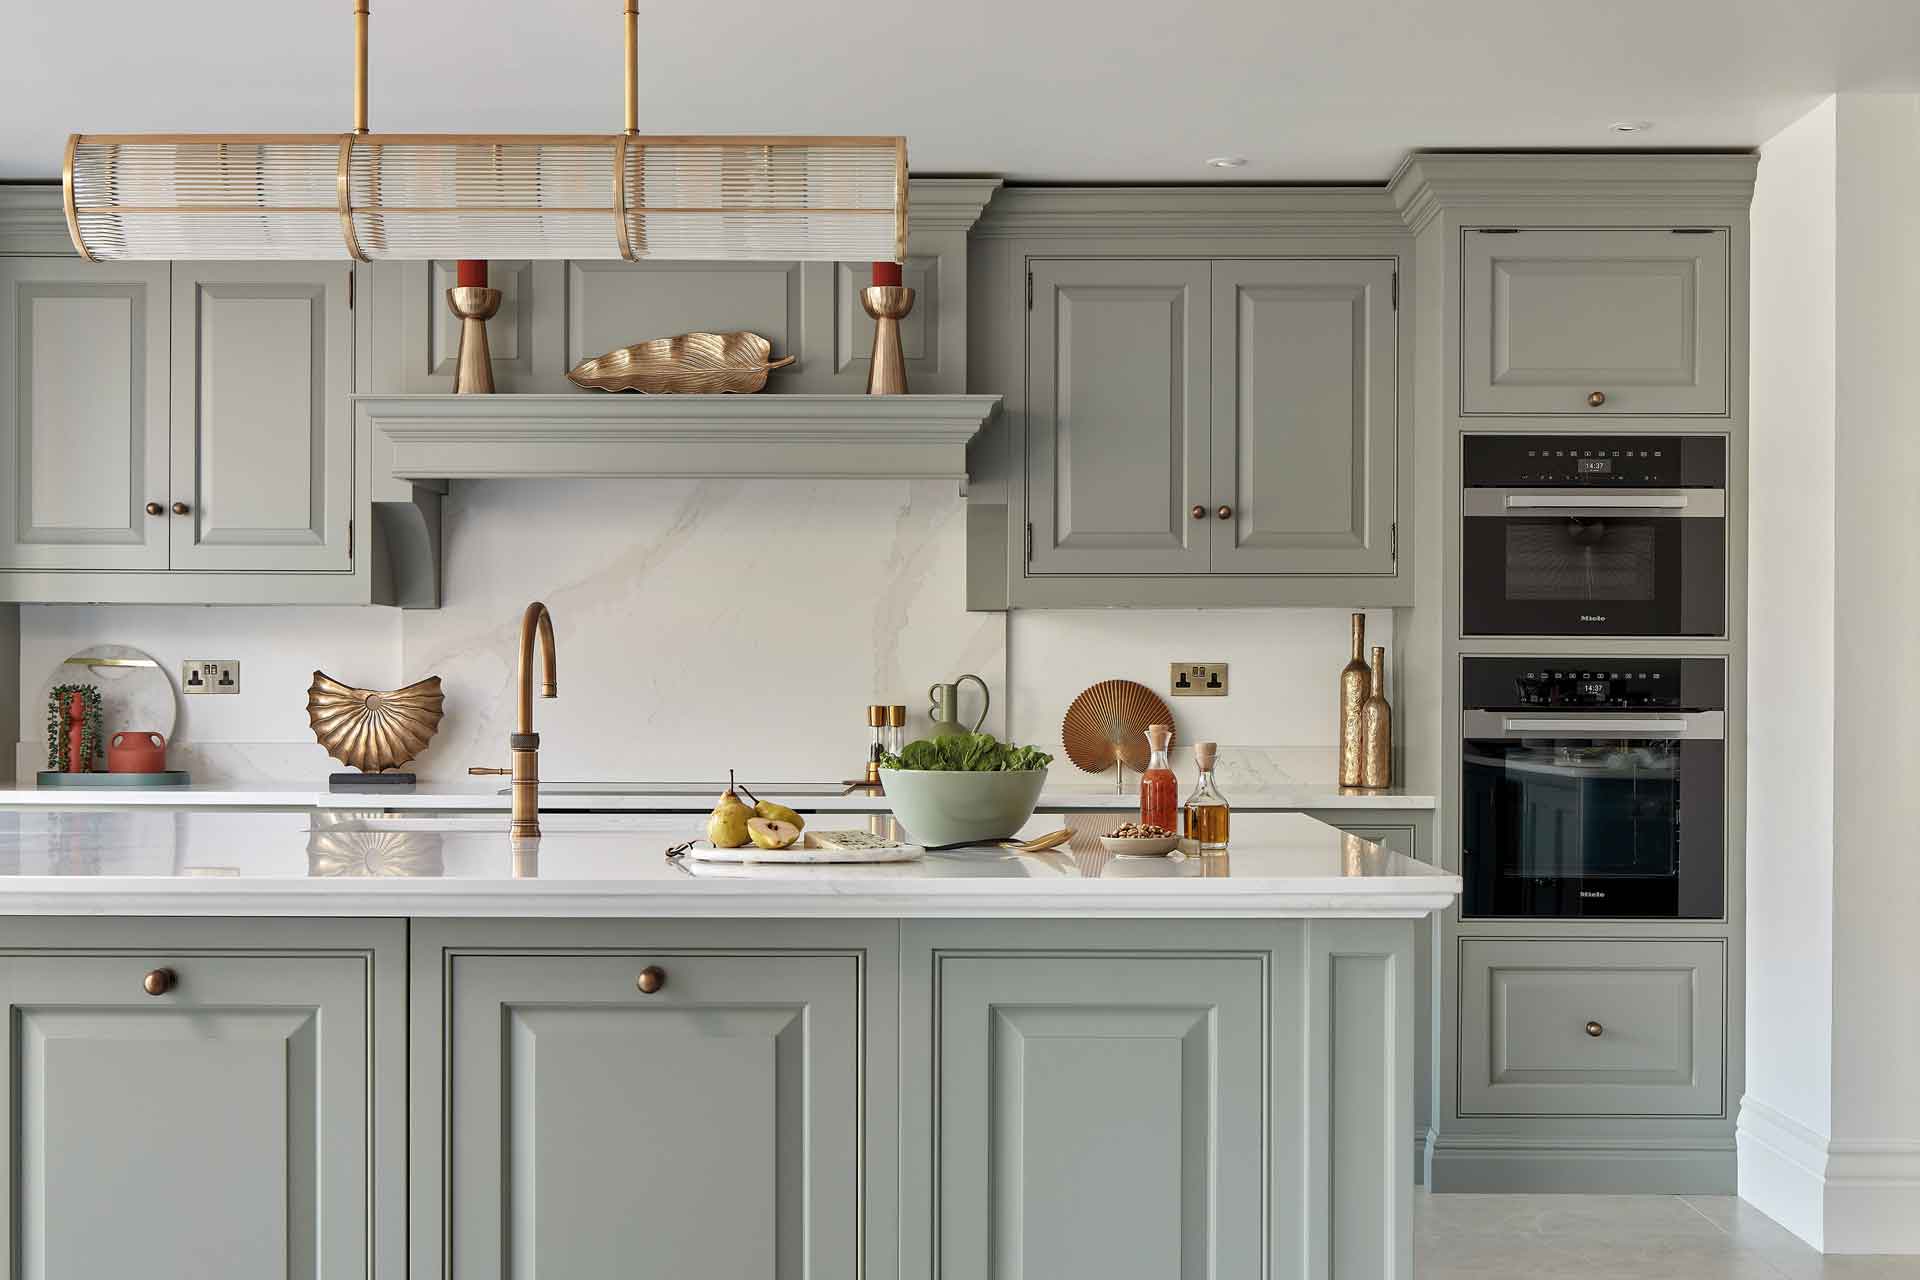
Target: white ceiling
1336, 90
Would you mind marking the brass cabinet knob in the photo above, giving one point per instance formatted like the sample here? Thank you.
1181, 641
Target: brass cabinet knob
1596, 398
1595, 1030
651, 979
1225, 512
158, 982
155, 509
181, 509
1199, 512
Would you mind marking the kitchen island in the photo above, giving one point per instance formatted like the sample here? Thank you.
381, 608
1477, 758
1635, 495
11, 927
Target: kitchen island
591, 1061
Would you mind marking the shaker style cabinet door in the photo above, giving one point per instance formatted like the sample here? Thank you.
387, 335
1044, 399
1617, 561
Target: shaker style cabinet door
1117, 437
83, 414
598, 1128
262, 428
1099, 1116
219, 1130
1595, 322
1305, 389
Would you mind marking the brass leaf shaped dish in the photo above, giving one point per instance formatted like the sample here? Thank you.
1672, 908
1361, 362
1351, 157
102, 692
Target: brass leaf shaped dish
1109, 721
695, 363
371, 729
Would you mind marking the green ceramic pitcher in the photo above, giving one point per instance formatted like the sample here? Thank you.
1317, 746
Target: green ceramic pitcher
944, 706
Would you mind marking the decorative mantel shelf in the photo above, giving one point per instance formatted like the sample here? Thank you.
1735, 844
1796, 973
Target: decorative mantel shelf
445, 437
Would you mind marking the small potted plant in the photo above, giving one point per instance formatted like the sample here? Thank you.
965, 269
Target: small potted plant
73, 728
965, 788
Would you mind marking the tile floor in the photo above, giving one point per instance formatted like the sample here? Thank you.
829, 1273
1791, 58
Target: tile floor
1460, 1237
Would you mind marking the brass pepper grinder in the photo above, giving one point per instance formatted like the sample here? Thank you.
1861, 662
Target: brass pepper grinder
1355, 683
1376, 728
475, 304
888, 305
877, 724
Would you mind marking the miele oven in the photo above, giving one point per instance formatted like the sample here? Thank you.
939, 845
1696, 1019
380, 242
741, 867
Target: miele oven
1594, 535
1593, 787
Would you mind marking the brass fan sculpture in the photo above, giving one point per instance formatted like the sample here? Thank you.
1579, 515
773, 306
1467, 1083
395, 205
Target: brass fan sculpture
1108, 723
370, 729
697, 363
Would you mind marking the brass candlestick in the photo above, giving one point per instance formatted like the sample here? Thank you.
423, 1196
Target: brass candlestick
475, 305
888, 304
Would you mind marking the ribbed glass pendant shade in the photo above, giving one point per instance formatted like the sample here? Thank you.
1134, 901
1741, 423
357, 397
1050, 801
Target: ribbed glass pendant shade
380, 197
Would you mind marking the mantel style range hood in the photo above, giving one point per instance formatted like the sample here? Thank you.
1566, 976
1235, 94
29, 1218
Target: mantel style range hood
375, 197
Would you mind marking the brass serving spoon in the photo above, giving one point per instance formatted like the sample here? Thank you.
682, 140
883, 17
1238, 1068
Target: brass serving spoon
1040, 844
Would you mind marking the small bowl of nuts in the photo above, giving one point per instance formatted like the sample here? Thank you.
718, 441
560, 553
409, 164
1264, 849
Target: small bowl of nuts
1140, 840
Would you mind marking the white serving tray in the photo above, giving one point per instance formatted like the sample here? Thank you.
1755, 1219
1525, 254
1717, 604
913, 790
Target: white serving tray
799, 854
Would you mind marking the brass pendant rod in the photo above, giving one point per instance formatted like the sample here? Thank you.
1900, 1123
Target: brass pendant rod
360, 66
633, 66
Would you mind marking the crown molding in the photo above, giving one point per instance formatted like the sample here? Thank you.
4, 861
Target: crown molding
1191, 212
32, 219
1429, 181
947, 204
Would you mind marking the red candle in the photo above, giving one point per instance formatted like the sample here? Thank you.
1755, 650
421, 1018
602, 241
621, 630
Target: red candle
886, 273
472, 273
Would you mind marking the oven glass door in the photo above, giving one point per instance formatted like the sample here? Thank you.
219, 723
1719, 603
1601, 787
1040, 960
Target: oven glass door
1598, 823
1595, 564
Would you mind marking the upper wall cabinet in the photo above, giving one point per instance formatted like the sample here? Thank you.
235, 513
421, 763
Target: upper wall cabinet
1233, 419
1595, 322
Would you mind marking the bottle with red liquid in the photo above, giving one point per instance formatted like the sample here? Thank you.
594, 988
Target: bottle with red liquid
1159, 789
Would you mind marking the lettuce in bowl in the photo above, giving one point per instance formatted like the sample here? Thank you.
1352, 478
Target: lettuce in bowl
966, 753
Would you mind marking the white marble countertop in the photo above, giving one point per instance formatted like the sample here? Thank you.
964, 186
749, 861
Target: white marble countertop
486, 795
214, 862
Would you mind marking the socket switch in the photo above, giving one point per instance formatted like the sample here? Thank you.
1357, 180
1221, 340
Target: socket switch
204, 675
1198, 679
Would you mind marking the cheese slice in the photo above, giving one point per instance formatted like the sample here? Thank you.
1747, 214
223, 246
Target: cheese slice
850, 840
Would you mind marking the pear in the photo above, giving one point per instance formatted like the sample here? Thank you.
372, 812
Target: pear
727, 826
769, 833
779, 813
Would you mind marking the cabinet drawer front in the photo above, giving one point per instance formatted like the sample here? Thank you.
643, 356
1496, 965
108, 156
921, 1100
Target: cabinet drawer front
1099, 1117
232, 1110
1551, 317
1591, 1028
708, 1128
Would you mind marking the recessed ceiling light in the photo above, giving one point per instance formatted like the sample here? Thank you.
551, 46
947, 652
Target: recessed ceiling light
1631, 126
1227, 162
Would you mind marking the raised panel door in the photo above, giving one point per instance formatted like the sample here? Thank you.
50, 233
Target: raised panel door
262, 430
83, 414
218, 1130
1100, 1116
1305, 391
1117, 436
1595, 322
708, 1128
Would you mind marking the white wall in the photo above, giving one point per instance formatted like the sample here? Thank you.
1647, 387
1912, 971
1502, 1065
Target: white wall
1830, 1125
704, 626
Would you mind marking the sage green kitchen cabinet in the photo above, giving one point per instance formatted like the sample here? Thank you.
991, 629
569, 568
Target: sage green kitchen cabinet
223, 1129
83, 414
1592, 1027
1595, 321
1212, 421
712, 1125
1304, 419
1118, 446
262, 433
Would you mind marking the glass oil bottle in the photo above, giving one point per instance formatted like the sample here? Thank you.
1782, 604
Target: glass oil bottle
1206, 809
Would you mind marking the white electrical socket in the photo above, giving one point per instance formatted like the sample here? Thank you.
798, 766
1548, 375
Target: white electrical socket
205, 675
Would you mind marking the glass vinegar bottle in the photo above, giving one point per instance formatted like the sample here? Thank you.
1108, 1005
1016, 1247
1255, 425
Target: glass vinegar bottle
1206, 809
1159, 789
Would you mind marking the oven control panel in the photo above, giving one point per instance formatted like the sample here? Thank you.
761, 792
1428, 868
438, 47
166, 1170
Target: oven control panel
1593, 684
1626, 462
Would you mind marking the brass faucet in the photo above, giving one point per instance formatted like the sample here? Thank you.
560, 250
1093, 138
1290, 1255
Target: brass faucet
524, 742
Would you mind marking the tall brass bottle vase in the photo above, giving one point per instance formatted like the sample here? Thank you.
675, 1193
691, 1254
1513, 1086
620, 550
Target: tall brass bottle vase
1376, 728
1355, 683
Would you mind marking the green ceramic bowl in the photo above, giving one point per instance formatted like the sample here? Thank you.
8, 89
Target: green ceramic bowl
943, 808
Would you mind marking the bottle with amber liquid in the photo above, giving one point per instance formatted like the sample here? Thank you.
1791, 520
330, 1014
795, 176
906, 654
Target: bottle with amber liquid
1159, 789
1206, 809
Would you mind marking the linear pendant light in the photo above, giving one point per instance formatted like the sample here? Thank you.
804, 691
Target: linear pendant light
378, 197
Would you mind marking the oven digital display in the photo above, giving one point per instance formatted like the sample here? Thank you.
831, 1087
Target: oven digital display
1594, 466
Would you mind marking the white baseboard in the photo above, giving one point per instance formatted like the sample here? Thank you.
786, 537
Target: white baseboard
1840, 1196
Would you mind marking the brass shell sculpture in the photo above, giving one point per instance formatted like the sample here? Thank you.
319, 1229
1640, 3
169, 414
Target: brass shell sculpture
697, 363
1109, 721
371, 729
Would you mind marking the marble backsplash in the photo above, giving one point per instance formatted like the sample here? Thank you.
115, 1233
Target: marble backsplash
707, 625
